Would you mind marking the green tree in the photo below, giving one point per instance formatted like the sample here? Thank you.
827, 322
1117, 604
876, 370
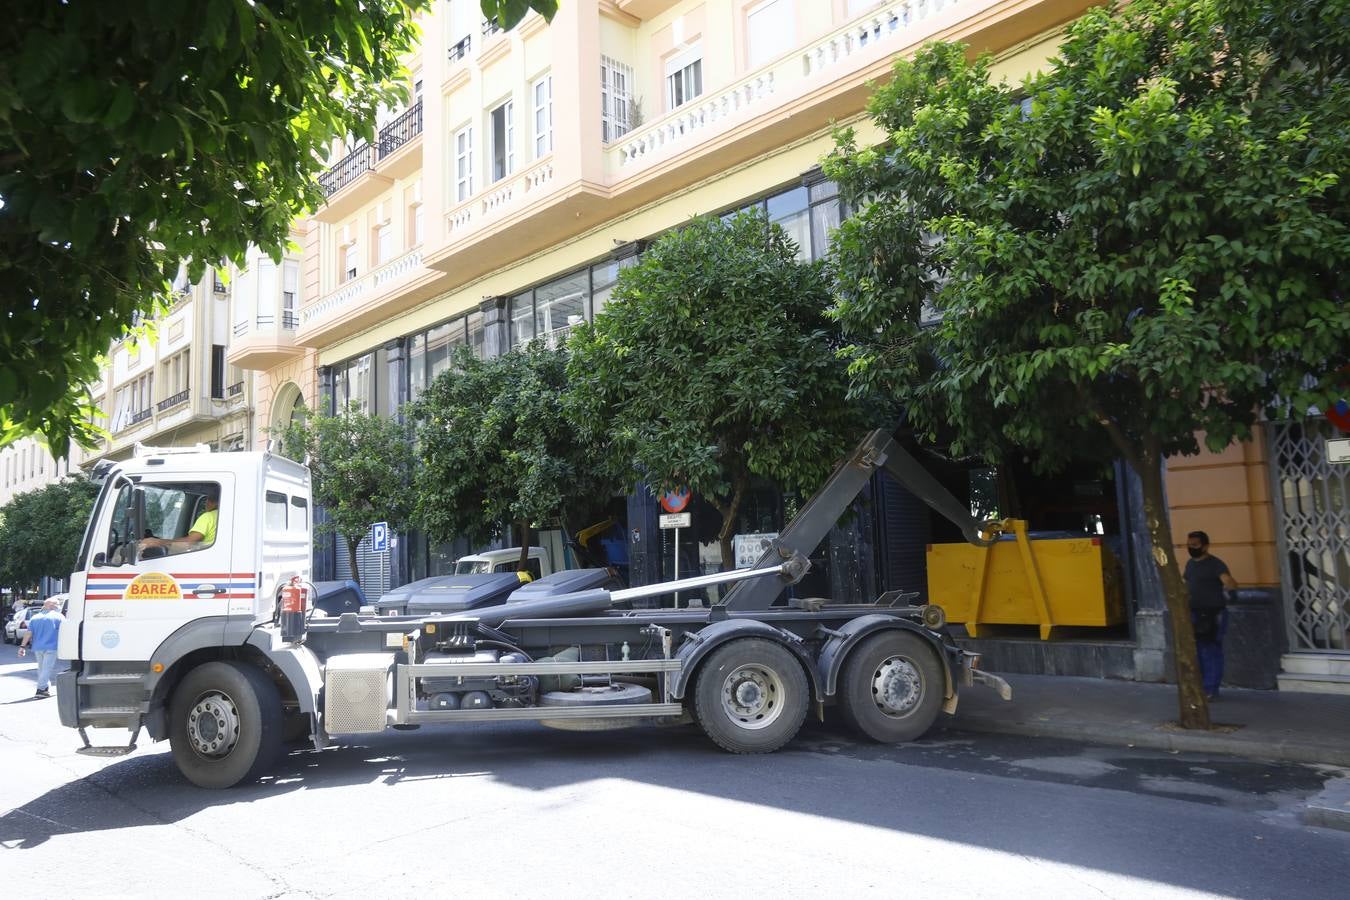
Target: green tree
714, 363
495, 448
41, 530
1144, 254
135, 136
361, 464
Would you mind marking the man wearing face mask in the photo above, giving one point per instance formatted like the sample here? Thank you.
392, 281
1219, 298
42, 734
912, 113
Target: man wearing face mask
1209, 582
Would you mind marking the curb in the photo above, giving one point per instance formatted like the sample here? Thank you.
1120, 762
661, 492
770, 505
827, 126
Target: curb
1331, 808
1158, 739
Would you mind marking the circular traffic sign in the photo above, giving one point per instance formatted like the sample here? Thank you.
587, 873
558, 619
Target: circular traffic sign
675, 501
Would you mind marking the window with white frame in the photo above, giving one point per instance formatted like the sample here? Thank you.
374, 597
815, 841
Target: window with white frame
502, 131
542, 93
348, 253
616, 105
174, 374
412, 201
384, 242
464, 164
684, 76
131, 402
769, 30
290, 292
267, 290
381, 224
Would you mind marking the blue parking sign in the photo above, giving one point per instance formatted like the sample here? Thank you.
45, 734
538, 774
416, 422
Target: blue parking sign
379, 537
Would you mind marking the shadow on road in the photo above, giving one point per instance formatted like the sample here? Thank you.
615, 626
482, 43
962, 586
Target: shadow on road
823, 773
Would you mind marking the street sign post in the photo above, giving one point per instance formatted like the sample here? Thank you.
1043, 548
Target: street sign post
674, 503
379, 537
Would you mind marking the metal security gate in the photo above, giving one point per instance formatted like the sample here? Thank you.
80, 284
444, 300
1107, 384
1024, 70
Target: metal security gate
1312, 510
374, 567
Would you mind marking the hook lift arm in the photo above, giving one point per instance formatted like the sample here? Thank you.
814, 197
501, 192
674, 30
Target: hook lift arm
789, 551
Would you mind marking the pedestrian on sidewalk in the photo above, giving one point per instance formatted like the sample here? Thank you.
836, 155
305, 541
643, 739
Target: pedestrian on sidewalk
1209, 583
43, 629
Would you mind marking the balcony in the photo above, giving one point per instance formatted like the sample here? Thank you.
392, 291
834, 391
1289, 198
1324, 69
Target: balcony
370, 168
259, 344
234, 390
177, 399
795, 97
386, 290
802, 93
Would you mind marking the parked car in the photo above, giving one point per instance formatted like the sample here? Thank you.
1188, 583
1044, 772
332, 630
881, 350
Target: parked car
17, 627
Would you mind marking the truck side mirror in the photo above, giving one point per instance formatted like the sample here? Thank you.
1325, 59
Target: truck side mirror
100, 559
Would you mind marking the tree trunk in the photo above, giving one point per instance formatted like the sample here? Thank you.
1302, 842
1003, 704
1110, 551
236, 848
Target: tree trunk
351, 555
1193, 708
729, 511
522, 565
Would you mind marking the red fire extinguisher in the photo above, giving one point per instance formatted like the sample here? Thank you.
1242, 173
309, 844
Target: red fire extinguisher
293, 611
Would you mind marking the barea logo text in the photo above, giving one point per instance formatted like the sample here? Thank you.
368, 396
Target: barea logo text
153, 586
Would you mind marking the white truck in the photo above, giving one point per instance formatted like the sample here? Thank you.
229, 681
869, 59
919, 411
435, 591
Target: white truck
193, 642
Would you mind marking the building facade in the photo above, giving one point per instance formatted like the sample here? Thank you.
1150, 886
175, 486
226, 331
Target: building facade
529, 167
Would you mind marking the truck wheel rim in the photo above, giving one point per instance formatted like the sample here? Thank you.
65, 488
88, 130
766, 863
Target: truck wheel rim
897, 686
213, 725
752, 696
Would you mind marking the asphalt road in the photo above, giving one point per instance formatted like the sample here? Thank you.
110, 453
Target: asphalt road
519, 810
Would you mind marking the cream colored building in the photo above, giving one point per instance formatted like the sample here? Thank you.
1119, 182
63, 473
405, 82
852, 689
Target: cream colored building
175, 385
530, 165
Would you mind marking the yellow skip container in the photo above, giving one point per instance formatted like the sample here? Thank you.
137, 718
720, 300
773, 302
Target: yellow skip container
1023, 581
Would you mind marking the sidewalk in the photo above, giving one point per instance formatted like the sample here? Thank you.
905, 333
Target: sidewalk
1287, 727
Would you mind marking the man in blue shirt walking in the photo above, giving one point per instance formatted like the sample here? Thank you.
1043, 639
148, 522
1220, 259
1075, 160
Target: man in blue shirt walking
43, 629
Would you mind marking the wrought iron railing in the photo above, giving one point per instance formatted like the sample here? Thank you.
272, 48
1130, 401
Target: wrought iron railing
401, 130
348, 169
170, 402
235, 389
461, 49
139, 416
265, 321
240, 329
490, 26
289, 320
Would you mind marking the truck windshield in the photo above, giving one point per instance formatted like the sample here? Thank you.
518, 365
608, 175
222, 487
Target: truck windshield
472, 567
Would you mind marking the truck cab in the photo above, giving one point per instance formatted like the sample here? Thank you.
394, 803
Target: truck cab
149, 592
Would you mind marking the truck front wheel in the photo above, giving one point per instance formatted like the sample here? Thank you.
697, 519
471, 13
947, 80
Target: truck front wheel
751, 696
891, 687
225, 724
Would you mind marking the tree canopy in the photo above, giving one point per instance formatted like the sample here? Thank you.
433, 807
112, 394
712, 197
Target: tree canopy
1138, 249
496, 449
140, 135
41, 530
714, 363
361, 464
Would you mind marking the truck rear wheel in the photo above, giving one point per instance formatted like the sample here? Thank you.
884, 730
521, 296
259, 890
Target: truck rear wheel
751, 696
225, 724
891, 687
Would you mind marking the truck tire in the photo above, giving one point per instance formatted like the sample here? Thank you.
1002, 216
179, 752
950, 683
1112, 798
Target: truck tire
891, 687
751, 696
225, 724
